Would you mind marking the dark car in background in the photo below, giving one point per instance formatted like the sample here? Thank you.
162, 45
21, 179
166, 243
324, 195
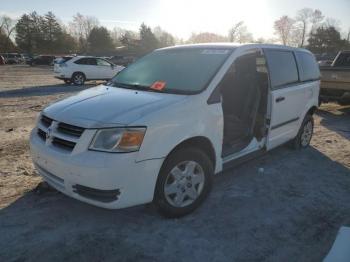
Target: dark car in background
12, 58
2, 60
42, 60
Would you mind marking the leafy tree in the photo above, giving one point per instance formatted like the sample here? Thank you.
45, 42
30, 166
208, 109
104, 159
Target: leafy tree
25, 34
326, 40
148, 40
100, 41
52, 32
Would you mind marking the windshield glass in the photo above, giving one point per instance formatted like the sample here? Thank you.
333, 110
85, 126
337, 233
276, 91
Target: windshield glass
179, 70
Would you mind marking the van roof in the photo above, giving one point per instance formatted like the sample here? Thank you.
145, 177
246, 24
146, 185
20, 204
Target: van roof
234, 46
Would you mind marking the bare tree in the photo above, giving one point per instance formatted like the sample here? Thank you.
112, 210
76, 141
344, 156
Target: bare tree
239, 33
7, 26
81, 27
232, 35
316, 19
284, 28
303, 18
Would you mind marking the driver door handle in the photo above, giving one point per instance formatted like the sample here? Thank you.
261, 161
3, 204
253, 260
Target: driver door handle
280, 99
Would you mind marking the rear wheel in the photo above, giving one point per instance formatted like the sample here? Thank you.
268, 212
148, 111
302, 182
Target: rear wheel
184, 182
78, 78
302, 140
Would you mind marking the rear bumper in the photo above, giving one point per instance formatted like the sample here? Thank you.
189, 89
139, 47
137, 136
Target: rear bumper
102, 179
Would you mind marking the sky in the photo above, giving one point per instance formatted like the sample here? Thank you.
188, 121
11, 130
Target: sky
182, 17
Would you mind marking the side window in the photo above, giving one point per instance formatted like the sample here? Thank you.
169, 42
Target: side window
282, 67
92, 61
308, 67
82, 61
102, 62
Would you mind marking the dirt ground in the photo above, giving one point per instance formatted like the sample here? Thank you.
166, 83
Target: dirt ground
289, 212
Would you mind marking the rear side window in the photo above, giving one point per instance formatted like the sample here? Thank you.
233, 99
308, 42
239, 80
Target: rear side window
282, 67
86, 61
308, 67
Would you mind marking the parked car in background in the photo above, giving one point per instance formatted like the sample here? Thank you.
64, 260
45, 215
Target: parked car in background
325, 62
122, 60
42, 60
335, 79
12, 58
2, 60
79, 69
162, 127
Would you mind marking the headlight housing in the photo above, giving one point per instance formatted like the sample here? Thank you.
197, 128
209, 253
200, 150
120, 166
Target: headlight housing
118, 139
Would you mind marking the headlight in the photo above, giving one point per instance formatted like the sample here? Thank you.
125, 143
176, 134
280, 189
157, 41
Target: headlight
118, 139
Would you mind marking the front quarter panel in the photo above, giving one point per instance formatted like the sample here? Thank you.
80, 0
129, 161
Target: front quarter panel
191, 118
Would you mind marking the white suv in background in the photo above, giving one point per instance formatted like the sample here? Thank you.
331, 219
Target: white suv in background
79, 69
162, 127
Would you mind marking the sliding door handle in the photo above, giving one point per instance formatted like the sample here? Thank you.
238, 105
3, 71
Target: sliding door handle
280, 99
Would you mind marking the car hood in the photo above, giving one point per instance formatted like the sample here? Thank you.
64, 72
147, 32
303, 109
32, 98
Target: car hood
105, 106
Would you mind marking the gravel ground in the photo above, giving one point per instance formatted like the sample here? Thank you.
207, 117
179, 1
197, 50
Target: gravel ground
289, 212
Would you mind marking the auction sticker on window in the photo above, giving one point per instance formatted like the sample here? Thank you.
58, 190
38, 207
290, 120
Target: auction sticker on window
158, 85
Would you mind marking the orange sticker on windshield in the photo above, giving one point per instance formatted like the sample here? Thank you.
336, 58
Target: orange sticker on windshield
158, 85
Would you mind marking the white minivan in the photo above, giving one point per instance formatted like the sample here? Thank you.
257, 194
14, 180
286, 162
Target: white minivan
162, 127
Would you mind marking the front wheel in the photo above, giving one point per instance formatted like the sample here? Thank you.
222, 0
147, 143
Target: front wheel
302, 140
184, 182
78, 79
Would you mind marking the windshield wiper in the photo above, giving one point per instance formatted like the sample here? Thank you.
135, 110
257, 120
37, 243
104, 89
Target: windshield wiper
135, 87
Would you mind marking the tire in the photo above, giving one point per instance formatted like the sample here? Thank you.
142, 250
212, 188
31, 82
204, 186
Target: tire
302, 140
67, 81
178, 192
78, 79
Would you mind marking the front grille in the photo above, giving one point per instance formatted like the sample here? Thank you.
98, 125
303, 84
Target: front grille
63, 136
64, 144
70, 129
42, 134
97, 194
46, 121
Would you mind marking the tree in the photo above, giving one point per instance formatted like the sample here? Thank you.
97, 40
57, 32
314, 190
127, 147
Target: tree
52, 32
25, 33
148, 41
326, 40
164, 38
206, 37
7, 27
304, 19
316, 18
99, 41
283, 29
81, 27
240, 34
233, 32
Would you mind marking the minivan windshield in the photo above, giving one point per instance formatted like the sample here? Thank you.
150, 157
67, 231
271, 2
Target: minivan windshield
179, 70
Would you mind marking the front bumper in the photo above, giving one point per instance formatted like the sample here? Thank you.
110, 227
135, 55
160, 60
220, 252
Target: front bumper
117, 180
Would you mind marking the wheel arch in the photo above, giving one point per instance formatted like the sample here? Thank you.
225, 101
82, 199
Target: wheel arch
311, 110
200, 142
